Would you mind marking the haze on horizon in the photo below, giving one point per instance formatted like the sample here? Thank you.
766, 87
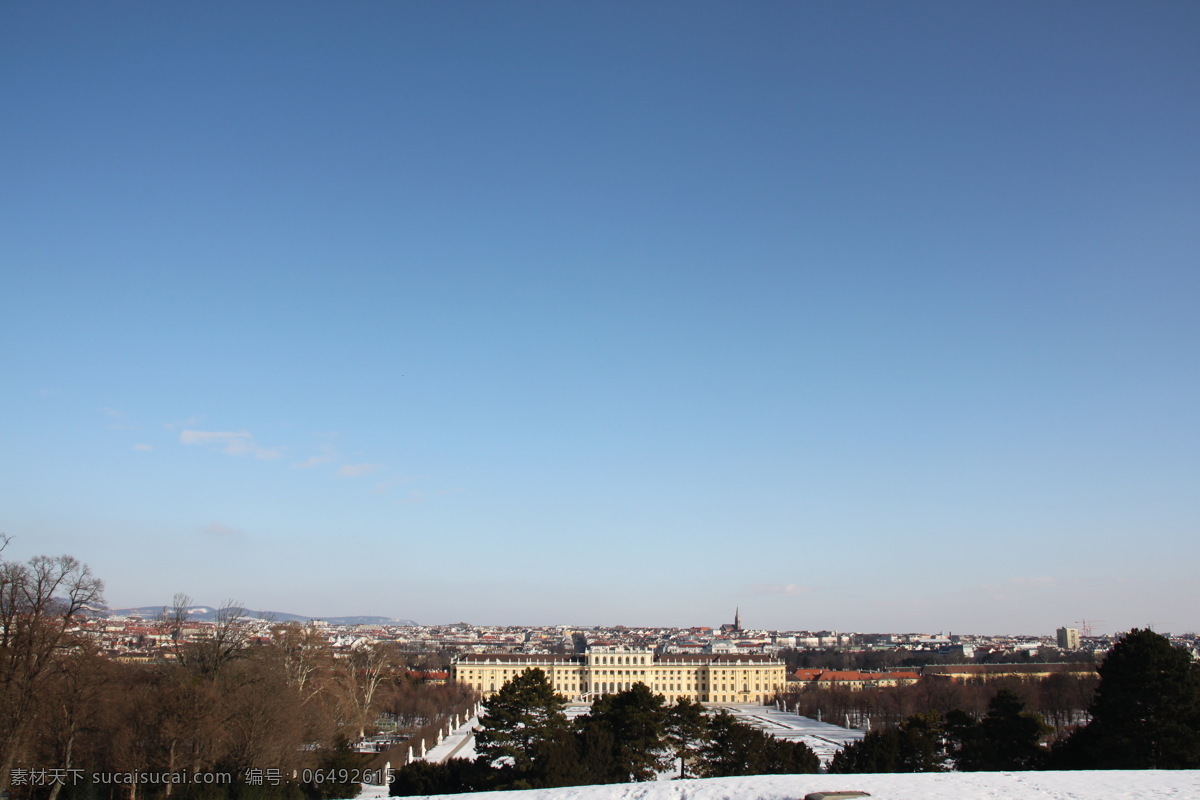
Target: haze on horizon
870, 316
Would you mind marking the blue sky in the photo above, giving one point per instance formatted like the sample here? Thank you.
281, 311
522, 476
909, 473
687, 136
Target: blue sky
866, 316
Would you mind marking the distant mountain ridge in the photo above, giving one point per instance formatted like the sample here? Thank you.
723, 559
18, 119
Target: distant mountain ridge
209, 614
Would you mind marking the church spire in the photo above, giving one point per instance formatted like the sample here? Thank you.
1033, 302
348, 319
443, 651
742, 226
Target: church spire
737, 618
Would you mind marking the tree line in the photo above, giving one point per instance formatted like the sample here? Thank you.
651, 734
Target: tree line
894, 658
274, 711
526, 741
1062, 699
1144, 714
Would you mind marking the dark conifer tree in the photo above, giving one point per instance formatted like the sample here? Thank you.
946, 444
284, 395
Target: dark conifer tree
878, 751
525, 711
637, 719
1008, 738
916, 745
340, 761
735, 748
1146, 712
687, 728
454, 776
559, 762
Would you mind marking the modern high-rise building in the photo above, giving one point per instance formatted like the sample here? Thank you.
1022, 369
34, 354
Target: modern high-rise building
1068, 638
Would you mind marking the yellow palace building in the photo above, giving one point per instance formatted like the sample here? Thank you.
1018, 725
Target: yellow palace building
604, 669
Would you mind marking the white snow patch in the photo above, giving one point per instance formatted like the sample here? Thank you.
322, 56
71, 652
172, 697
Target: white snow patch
459, 744
370, 791
823, 738
1080, 785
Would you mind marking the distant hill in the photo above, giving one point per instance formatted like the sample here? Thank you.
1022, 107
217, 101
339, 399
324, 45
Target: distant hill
209, 614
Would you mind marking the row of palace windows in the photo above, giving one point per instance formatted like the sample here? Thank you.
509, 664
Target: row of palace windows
673, 673
617, 659
623, 672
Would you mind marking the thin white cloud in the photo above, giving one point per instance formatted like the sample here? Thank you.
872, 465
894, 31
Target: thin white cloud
312, 462
245, 447
781, 589
1037, 581
211, 437
413, 495
219, 530
143, 448
118, 419
327, 455
357, 470
234, 443
384, 486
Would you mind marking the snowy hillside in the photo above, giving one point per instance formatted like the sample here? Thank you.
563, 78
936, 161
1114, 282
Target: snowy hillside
1097, 785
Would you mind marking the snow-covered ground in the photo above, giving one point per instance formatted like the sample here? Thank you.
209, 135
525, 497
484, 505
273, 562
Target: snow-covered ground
1096, 785
827, 739
459, 744
372, 792
823, 738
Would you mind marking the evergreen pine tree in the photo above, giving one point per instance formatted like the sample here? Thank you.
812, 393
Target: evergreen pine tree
781, 757
340, 760
558, 762
453, 776
878, 751
637, 719
735, 748
1146, 713
916, 745
687, 727
1008, 738
729, 749
525, 711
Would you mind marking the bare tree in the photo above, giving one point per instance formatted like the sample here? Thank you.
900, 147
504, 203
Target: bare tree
174, 616
367, 666
225, 642
306, 655
76, 691
38, 602
262, 715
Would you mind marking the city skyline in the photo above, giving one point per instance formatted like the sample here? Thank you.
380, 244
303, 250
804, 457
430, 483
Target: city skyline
878, 316
209, 612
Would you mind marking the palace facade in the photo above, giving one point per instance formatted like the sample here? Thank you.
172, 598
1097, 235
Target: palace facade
705, 678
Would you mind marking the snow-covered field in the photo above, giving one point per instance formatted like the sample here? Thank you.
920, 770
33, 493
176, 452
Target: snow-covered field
1096, 785
823, 738
827, 739
459, 744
